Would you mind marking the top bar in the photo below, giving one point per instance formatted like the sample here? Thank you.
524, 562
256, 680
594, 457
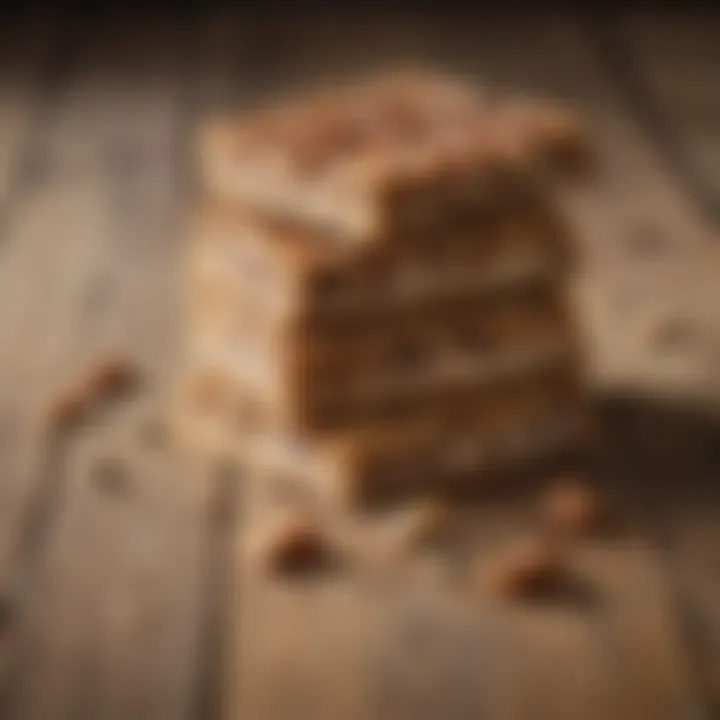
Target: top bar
400, 152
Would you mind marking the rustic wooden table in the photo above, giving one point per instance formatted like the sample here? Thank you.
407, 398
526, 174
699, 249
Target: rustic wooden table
118, 560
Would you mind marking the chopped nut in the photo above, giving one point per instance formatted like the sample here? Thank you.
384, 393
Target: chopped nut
529, 570
292, 542
67, 409
562, 138
425, 522
546, 133
107, 376
572, 508
110, 375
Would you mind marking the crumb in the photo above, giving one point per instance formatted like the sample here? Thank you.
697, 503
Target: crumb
110, 375
426, 522
563, 138
572, 508
528, 570
107, 376
554, 136
292, 542
67, 409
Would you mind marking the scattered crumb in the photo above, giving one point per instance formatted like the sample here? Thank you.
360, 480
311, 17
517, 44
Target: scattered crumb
105, 377
67, 409
563, 138
110, 375
527, 570
572, 508
292, 542
423, 523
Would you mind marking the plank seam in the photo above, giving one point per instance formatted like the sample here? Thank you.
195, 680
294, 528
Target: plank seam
223, 516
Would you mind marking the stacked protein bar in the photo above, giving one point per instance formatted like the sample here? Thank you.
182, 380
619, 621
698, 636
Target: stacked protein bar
377, 291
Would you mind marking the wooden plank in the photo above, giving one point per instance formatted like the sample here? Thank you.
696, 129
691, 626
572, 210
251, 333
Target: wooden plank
616, 228
638, 191
674, 469
692, 538
634, 181
37, 326
29, 54
402, 640
677, 59
325, 646
111, 621
676, 63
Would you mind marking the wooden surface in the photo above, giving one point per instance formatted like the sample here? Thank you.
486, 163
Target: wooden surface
120, 591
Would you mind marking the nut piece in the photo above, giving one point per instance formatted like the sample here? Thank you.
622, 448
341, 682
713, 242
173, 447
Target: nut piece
426, 522
562, 138
292, 542
66, 409
107, 376
110, 375
572, 508
529, 570
553, 135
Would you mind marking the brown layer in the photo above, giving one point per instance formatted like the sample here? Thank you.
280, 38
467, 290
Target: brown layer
434, 455
249, 406
236, 255
423, 346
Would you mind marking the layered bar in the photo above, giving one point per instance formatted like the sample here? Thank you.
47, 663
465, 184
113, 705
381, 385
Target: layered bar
283, 267
459, 449
403, 326
376, 290
409, 150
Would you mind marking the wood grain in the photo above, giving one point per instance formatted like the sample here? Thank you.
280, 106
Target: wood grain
111, 621
42, 294
28, 59
403, 635
677, 59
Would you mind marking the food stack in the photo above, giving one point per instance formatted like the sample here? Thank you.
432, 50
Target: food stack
376, 284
